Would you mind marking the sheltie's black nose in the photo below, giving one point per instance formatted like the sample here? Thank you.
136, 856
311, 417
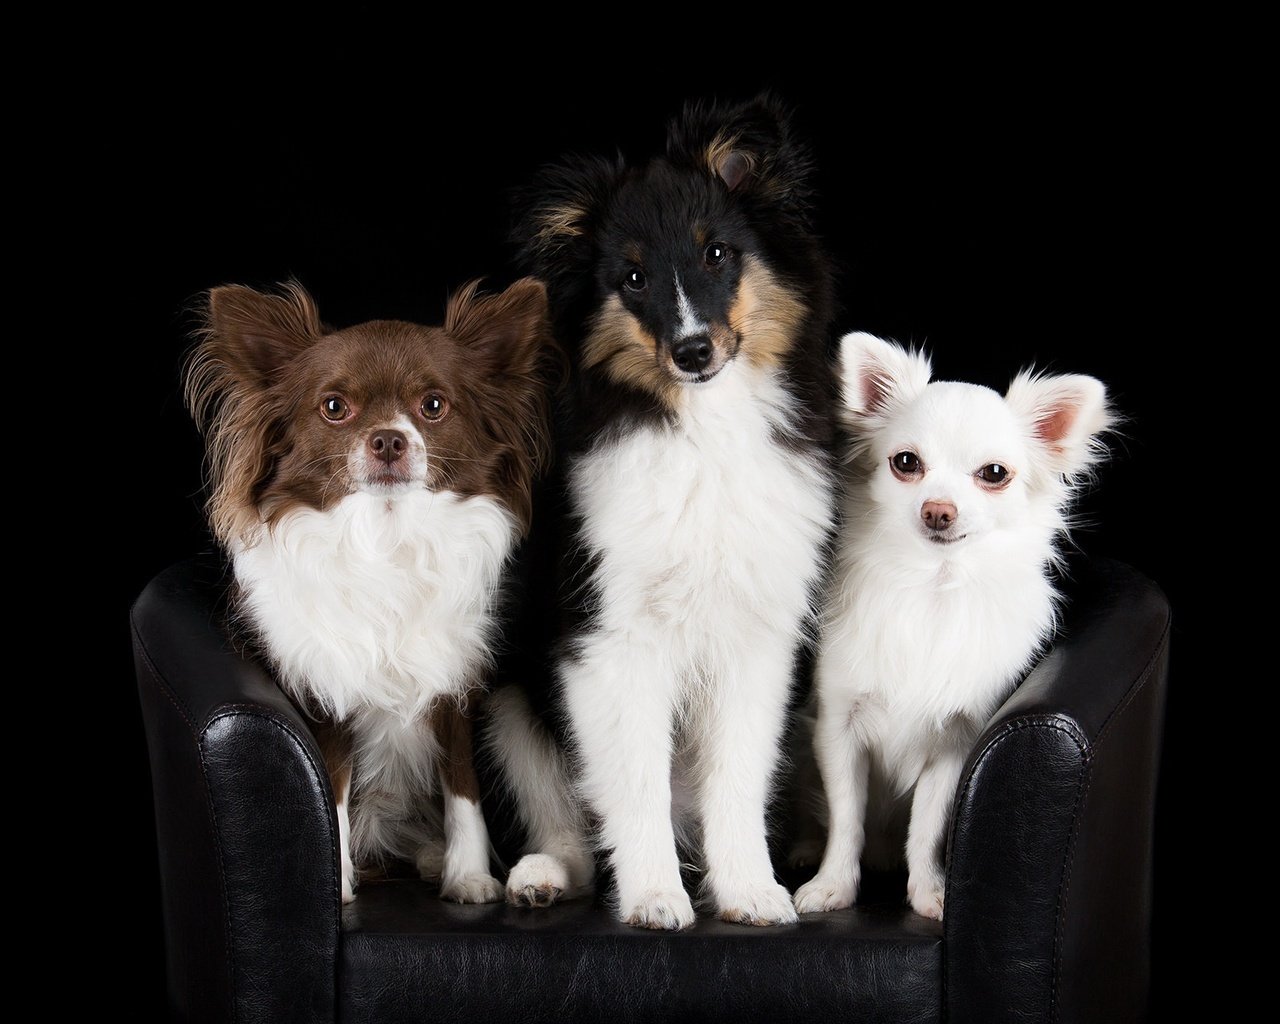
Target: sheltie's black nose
692, 354
388, 445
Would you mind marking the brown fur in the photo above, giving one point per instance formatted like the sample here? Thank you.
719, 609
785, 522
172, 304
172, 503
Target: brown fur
628, 353
334, 740
452, 725
766, 315
264, 362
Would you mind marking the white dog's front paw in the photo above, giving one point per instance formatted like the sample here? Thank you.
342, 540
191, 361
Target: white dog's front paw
926, 897
762, 905
348, 888
662, 909
537, 881
821, 894
477, 887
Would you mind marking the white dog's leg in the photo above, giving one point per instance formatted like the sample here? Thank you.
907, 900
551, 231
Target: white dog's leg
930, 811
560, 863
843, 760
620, 696
737, 754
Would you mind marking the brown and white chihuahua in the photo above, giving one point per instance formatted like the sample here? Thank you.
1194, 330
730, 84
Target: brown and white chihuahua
369, 485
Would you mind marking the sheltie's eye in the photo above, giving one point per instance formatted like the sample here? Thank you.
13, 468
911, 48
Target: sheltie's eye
994, 476
717, 253
635, 280
334, 408
905, 465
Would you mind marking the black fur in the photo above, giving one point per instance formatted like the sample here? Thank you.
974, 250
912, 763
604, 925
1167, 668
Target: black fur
580, 226
581, 217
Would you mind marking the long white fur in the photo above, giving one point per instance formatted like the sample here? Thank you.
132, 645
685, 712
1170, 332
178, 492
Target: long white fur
543, 792
922, 641
372, 611
708, 535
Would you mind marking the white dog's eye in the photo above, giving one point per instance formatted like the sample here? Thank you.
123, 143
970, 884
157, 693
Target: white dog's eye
994, 475
906, 464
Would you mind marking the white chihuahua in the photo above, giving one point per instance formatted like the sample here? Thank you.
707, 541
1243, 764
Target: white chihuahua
941, 597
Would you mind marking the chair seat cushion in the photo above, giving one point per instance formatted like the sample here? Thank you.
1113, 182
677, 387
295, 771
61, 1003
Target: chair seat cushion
408, 956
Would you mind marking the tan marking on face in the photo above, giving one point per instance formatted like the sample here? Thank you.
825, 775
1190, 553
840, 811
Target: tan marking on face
766, 315
627, 352
700, 238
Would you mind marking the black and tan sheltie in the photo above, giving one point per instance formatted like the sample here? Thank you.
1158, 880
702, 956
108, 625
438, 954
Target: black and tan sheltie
695, 302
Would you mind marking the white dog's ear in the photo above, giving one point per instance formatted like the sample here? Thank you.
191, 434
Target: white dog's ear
878, 375
1066, 416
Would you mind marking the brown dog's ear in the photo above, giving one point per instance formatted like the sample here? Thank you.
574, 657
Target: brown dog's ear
507, 329
518, 364
254, 334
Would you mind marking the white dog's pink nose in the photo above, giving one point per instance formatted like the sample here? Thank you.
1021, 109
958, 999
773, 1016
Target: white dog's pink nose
938, 515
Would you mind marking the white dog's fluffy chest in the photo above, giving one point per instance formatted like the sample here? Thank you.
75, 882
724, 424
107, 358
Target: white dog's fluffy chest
707, 532
916, 644
376, 607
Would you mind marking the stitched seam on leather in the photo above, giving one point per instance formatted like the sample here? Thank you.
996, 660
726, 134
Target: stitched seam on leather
1064, 887
163, 686
1058, 724
255, 711
1138, 684
222, 882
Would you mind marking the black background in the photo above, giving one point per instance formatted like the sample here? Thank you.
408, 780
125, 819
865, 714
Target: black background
1001, 219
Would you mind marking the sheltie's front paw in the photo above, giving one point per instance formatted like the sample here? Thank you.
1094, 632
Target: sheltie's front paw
661, 909
761, 906
821, 894
537, 881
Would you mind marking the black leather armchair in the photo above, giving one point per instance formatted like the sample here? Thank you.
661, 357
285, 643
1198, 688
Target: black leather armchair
1048, 866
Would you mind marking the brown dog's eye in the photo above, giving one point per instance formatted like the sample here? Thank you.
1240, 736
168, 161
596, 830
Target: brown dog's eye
994, 475
906, 464
635, 280
434, 406
334, 408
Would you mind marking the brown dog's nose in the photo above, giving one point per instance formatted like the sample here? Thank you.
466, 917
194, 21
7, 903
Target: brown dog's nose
938, 515
388, 445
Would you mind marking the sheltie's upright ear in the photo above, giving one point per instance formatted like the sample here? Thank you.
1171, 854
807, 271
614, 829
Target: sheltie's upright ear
749, 146
558, 215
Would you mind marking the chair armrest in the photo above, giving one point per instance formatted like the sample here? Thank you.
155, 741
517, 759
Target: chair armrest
244, 816
1048, 906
